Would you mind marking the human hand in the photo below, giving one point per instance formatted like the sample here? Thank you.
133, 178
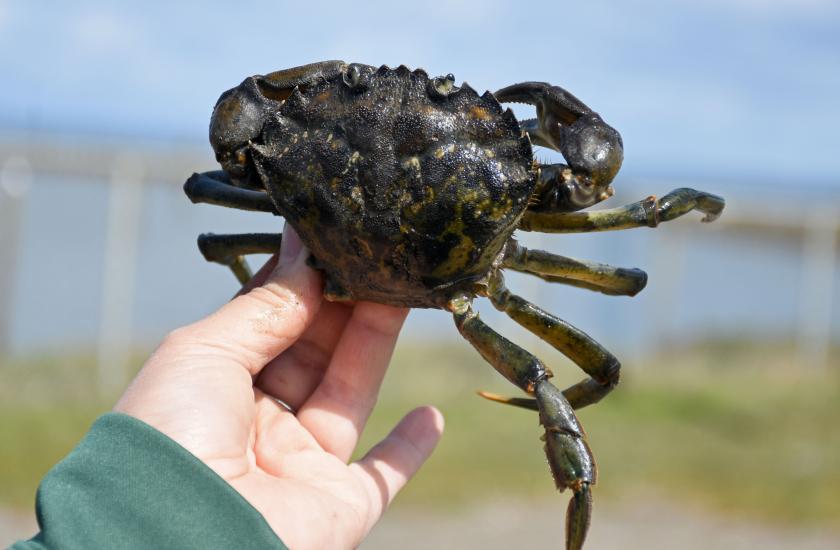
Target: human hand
211, 387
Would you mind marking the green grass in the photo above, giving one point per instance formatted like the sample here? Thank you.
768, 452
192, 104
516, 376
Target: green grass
741, 438
742, 432
47, 403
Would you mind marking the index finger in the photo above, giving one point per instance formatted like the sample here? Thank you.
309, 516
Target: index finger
255, 327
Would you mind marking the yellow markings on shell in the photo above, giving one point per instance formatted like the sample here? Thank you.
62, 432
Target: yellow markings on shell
415, 207
411, 163
493, 210
470, 195
323, 96
460, 254
478, 113
452, 181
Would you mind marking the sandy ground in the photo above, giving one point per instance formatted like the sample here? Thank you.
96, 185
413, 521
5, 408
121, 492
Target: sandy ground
642, 524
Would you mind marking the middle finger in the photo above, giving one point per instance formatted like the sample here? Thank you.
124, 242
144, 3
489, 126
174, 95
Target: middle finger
293, 375
338, 409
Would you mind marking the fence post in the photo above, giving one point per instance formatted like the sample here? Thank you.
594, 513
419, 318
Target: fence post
119, 271
15, 180
819, 257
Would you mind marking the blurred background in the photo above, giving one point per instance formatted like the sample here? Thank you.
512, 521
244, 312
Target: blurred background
724, 433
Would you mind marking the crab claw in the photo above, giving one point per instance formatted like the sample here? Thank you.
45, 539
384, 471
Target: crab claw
569, 459
593, 149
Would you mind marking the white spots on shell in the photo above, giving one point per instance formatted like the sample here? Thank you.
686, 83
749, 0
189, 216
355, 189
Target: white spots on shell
441, 151
356, 195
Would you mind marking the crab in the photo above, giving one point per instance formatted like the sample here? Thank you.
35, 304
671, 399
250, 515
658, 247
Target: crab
407, 191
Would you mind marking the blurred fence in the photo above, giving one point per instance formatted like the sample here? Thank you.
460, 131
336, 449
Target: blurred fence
125, 168
128, 168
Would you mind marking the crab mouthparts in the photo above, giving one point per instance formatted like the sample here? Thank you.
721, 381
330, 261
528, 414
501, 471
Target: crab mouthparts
581, 191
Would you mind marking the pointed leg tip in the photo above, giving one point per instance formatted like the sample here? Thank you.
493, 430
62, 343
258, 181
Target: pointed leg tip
578, 517
523, 402
490, 396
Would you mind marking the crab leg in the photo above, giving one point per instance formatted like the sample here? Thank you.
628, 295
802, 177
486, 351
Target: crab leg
601, 365
568, 453
216, 188
648, 212
615, 281
229, 250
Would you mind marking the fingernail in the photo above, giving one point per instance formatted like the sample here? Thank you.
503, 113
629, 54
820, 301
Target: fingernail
290, 246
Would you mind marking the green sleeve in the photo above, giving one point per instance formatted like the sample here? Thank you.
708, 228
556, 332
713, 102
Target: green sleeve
126, 485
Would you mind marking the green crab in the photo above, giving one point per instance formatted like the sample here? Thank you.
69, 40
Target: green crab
408, 189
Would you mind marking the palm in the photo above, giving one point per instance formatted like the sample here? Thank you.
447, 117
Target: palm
210, 386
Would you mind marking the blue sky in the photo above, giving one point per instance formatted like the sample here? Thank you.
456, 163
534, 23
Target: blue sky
703, 92
747, 89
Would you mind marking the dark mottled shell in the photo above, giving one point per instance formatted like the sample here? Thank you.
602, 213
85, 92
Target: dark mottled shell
404, 193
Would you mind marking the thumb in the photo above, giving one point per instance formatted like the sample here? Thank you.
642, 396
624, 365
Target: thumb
387, 467
255, 327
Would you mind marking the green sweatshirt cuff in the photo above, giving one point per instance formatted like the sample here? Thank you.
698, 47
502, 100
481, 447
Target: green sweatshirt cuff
126, 486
